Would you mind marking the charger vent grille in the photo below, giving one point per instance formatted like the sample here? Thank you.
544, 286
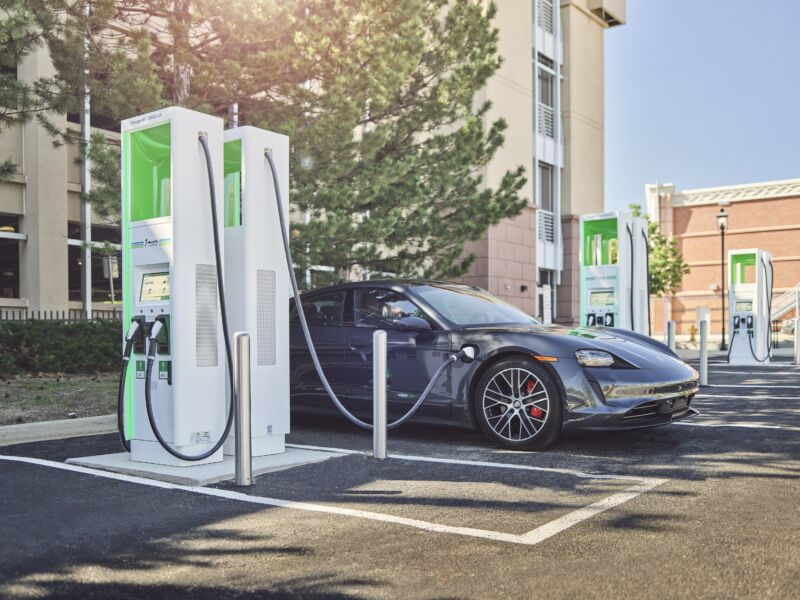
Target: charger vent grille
265, 318
205, 298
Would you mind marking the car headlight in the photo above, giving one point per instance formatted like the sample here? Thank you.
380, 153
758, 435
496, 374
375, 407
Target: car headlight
594, 358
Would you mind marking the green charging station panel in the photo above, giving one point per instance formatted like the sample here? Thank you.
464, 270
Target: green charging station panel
233, 183
148, 173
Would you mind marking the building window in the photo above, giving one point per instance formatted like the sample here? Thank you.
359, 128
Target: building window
101, 276
546, 187
546, 95
546, 98
9, 258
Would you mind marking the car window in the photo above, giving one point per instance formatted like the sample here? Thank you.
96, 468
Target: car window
381, 308
326, 309
467, 306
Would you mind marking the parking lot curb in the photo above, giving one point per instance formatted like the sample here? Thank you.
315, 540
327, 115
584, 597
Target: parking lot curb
56, 430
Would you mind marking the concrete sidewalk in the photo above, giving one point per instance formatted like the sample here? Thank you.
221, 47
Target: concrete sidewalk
56, 430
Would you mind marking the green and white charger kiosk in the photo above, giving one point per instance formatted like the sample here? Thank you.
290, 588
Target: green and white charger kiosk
169, 273
750, 300
256, 280
613, 257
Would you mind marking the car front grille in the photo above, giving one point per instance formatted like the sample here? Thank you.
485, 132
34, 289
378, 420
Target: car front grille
642, 411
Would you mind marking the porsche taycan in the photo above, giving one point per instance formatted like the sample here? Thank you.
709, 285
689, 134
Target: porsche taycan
528, 383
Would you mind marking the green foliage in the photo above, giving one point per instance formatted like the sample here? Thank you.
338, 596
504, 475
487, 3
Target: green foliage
58, 347
667, 266
377, 96
25, 25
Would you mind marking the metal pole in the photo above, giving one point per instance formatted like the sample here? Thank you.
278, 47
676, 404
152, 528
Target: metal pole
703, 352
379, 394
723, 345
241, 399
86, 208
671, 335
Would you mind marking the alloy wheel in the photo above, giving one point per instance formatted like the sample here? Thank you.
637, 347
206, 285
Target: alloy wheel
516, 404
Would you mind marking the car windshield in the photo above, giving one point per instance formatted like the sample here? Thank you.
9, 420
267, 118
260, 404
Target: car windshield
466, 306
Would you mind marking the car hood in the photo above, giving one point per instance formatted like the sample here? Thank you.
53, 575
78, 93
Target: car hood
562, 342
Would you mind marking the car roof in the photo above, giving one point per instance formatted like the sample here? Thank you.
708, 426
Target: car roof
387, 283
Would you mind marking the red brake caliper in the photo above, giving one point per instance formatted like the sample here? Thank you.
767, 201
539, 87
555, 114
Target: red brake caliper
536, 412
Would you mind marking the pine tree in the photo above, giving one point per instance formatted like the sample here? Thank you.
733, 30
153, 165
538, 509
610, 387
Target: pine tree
24, 27
377, 96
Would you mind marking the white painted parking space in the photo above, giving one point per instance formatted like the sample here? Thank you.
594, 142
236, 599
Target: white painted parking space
748, 395
745, 425
532, 537
755, 385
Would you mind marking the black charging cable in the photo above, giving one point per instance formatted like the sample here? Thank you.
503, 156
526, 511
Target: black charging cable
153, 343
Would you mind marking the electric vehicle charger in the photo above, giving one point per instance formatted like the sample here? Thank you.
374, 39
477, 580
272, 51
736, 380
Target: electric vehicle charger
630, 239
647, 259
152, 342
466, 354
769, 320
741, 322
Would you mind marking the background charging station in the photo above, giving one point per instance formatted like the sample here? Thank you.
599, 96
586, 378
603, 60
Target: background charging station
613, 258
169, 270
256, 281
749, 319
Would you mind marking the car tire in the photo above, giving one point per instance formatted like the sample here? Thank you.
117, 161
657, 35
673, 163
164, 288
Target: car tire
524, 387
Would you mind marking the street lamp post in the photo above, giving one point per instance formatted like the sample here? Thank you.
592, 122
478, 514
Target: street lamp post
722, 222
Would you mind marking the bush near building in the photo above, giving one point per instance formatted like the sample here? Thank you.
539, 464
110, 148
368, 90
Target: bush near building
59, 347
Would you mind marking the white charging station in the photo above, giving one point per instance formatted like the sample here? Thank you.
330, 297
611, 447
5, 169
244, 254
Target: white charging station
256, 280
750, 295
169, 271
613, 258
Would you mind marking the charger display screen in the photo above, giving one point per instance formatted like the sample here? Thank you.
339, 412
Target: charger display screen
155, 287
744, 306
601, 298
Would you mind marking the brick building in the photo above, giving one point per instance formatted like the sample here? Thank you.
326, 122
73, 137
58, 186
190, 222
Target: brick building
761, 215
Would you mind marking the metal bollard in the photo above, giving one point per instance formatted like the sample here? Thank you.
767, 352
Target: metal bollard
671, 335
379, 394
703, 352
241, 400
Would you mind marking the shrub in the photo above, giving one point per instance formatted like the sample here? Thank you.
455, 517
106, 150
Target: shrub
58, 347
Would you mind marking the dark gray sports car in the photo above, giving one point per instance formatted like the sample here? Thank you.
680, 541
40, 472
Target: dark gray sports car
528, 383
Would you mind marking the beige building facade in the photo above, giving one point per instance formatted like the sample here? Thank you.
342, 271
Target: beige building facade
550, 91
40, 218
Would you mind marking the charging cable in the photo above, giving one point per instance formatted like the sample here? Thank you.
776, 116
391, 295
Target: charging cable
130, 336
152, 350
467, 353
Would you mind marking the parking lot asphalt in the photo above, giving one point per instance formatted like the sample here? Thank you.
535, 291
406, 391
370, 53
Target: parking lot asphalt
708, 508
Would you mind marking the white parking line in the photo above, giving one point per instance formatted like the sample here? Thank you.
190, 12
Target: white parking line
778, 365
550, 529
480, 463
754, 385
738, 424
745, 396
530, 538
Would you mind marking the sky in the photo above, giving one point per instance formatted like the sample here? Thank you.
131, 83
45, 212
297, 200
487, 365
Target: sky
701, 93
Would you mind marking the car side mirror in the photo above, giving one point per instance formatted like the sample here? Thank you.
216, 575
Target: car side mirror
412, 323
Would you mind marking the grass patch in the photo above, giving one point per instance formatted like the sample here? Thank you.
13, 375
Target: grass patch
27, 398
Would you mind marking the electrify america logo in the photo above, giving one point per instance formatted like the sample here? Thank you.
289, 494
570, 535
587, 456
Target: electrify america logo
151, 243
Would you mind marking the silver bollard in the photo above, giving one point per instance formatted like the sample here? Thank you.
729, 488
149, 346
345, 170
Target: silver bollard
671, 335
379, 394
703, 352
241, 400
